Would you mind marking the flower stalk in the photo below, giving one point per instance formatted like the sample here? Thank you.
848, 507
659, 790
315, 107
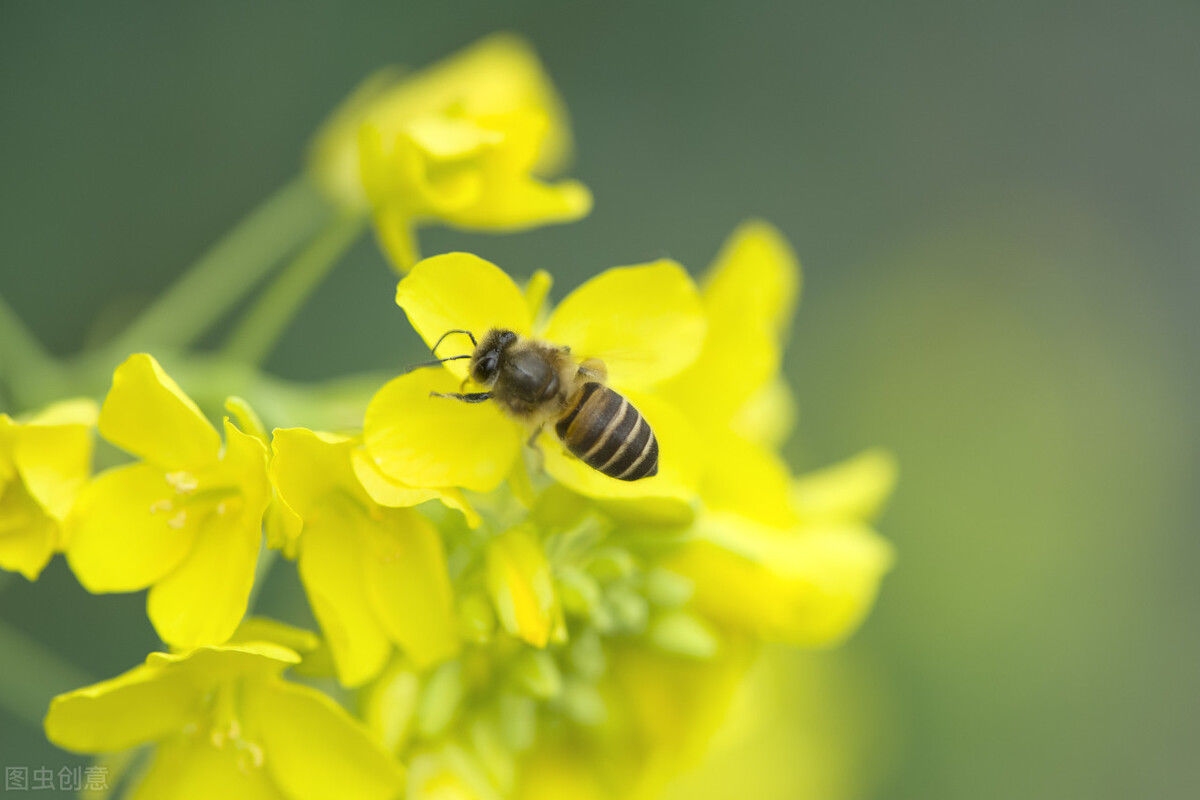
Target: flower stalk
258, 331
223, 275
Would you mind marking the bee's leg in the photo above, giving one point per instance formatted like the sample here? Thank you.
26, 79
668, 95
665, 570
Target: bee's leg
470, 397
593, 369
531, 443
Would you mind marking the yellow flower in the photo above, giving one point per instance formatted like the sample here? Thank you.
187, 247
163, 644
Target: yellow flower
809, 583
784, 559
44, 460
645, 322
463, 143
522, 588
375, 574
749, 294
225, 724
808, 586
186, 520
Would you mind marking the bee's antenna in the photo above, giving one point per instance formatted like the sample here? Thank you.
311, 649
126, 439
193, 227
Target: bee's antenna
470, 335
435, 362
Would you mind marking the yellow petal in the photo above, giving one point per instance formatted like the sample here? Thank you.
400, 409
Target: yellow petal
749, 296
537, 289
77, 411
54, 461
747, 479
768, 416
272, 631
853, 490
756, 274
153, 699
246, 418
409, 587
809, 587
314, 749
393, 494
519, 581
399, 172
680, 455
509, 196
139, 706
460, 291
148, 414
192, 768
523, 204
645, 322
217, 663
332, 567
421, 441
28, 535
307, 467
124, 532
445, 138
244, 467
394, 229
282, 526
203, 599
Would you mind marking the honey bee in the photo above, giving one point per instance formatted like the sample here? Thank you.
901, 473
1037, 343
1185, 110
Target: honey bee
540, 383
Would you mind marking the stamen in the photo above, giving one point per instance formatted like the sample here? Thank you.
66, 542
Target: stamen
182, 482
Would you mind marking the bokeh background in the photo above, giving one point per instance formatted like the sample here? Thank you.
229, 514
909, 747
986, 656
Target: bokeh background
996, 206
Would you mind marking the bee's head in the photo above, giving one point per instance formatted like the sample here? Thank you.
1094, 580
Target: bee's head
485, 361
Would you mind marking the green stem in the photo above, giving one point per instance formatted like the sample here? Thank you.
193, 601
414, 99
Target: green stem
226, 272
260, 329
22, 357
19, 347
30, 675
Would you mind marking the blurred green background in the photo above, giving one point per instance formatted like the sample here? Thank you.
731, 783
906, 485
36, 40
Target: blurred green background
996, 205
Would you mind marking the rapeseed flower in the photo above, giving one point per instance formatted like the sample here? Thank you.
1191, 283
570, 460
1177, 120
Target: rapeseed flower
44, 460
779, 557
732, 393
375, 573
516, 623
466, 142
185, 520
224, 723
644, 322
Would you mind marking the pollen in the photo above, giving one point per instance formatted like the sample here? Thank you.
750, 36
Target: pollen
182, 482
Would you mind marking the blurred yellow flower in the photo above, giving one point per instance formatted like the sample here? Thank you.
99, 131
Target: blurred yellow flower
375, 575
44, 460
463, 142
645, 322
749, 295
808, 586
225, 724
522, 587
186, 520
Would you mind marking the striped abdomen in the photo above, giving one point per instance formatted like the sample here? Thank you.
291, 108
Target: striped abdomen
606, 432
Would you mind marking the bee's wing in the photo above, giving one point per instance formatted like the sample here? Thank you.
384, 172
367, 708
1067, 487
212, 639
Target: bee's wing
645, 322
622, 365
